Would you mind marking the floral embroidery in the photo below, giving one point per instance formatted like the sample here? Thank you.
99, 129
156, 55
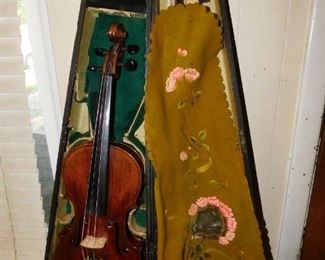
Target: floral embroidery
183, 155
170, 85
191, 74
175, 75
225, 211
202, 202
182, 52
213, 218
193, 210
213, 201
197, 147
179, 73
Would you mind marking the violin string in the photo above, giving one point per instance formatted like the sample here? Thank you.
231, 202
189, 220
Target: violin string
103, 90
98, 160
107, 84
93, 159
98, 157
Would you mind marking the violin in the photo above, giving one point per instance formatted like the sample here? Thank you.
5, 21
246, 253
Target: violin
102, 179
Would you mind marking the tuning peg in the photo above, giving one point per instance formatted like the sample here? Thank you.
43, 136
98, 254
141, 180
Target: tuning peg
130, 64
132, 49
95, 69
100, 51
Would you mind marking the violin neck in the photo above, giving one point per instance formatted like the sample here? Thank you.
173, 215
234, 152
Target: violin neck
97, 184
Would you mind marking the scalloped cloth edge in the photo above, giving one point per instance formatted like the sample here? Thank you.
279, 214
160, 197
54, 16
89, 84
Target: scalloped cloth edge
191, 138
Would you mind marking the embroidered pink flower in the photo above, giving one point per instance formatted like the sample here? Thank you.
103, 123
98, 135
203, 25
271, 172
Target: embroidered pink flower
170, 85
177, 73
183, 156
174, 76
202, 202
229, 210
191, 74
193, 210
225, 211
230, 235
182, 52
213, 201
231, 224
223, 241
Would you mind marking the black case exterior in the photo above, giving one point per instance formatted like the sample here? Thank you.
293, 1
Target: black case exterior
123, 5
65, 130
150, 8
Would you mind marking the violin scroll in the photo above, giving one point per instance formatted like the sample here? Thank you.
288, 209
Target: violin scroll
113, 57
132, 49
116, 33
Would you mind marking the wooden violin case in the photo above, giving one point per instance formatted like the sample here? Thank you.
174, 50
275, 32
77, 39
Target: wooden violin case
128, 113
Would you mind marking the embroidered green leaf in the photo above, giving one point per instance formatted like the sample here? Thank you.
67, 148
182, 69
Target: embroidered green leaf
204, 167
202, 135
199, 248
183, 103
206, 147
193, 139
197, 94
195, 156
213, 182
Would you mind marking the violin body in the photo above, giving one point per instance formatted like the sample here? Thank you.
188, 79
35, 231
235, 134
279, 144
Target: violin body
124, 186
102, 179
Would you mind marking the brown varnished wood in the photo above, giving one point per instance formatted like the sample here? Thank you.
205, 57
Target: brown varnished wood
124, 185
102, 192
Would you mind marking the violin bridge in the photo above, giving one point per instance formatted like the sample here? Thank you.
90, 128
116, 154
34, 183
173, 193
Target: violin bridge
92, 242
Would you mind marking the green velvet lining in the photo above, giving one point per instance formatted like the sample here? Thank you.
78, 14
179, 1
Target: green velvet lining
130, 86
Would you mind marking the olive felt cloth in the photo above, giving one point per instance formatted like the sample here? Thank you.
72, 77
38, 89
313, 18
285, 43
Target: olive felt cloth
192, 142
